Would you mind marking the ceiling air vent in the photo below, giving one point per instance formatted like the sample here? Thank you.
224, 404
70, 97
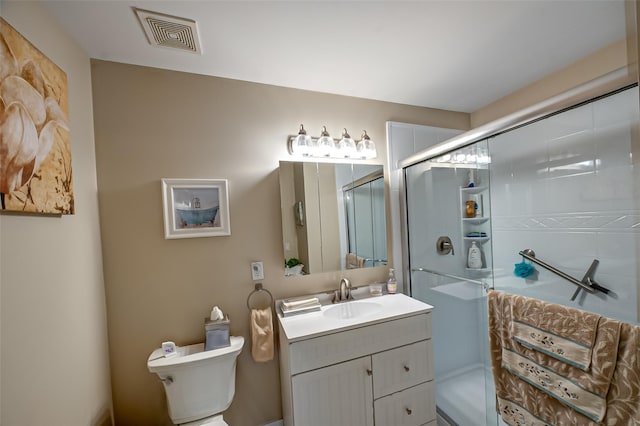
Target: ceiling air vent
169, 31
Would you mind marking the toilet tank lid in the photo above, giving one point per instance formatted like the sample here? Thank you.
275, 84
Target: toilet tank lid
191, 353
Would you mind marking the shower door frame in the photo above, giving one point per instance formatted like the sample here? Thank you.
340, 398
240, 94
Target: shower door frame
615, 81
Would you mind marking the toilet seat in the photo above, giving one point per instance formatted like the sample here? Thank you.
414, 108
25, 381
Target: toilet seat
207, 421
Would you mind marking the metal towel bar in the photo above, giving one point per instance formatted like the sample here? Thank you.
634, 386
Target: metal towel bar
482, 283
587, 284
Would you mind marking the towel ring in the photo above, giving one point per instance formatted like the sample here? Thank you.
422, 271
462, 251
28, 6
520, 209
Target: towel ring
258, 289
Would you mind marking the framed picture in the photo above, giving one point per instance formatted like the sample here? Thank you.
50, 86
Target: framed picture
195, 208
35, 135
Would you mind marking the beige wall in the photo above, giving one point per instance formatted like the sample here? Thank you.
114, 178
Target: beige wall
613, 57
55, 367
329, 223
151, 124
287, 202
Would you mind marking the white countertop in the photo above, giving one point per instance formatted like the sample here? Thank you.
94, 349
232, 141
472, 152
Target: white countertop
313, 324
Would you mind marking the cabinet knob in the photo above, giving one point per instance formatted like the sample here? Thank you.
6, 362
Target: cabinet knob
369, 372
408, 411
406, 368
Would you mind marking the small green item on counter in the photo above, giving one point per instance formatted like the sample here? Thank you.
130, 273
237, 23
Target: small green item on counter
291, 262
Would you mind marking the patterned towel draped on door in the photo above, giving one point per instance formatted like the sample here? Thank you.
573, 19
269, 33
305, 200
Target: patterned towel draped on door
555, 365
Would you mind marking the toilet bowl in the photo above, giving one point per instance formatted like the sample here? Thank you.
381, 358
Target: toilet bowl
199, 385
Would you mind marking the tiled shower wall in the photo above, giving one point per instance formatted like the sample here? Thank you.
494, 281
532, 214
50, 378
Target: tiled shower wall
567, 188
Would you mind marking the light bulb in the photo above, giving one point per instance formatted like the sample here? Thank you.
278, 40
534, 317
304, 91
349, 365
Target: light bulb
366, 148
484, 159
346, 146
302, 144
326, 146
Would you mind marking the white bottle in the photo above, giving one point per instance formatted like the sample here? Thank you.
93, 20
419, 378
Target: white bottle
392, 284
474, 259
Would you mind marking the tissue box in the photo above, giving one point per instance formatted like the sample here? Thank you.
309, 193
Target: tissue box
217, 333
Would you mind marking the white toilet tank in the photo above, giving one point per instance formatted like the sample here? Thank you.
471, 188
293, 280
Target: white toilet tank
197, 383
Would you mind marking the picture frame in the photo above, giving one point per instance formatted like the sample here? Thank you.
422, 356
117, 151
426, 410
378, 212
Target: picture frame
195, 208
35, 136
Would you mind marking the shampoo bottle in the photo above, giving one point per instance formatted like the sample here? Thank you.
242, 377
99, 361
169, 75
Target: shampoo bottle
474, 259
392, 284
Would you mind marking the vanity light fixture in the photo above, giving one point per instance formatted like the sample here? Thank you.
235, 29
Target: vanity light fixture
460, 158
303, 145
366, 148
326, 145
346, 146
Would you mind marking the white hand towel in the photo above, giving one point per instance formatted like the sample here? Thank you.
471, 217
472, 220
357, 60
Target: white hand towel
300, 303
261, 335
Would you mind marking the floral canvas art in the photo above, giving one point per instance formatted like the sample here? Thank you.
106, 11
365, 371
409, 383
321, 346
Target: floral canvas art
35, 143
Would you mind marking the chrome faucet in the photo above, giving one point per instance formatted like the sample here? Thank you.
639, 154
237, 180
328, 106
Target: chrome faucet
344, 291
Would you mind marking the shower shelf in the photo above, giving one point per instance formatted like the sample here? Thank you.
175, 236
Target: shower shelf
478, 225
473, 189
475, 219
478, 270
479, 239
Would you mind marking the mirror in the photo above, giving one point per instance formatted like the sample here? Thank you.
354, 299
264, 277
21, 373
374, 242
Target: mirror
333, 216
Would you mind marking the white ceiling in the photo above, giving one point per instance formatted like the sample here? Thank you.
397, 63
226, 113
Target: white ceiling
455, 55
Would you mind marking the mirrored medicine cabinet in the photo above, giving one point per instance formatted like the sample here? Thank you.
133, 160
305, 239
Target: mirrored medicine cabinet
333, 216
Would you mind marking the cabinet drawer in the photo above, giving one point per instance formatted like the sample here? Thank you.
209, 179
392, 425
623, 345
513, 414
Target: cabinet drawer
402, 368
412, 407
321, 351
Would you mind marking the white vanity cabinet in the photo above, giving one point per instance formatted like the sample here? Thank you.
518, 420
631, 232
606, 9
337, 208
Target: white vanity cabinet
377, 372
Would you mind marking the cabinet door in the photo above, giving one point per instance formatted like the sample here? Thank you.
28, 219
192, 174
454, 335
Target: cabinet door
338, 395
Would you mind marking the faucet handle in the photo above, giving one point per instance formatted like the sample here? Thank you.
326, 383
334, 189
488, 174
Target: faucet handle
344, 290
444, 246
347, 288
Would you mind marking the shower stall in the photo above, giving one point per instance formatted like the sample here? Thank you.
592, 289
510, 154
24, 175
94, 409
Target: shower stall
567, 186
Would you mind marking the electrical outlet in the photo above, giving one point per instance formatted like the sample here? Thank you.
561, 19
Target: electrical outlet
257, 271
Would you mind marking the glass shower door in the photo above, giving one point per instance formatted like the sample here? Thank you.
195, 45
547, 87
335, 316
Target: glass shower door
366, 220
565, 186
450, 261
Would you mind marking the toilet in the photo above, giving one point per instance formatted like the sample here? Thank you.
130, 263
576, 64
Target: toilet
199, 384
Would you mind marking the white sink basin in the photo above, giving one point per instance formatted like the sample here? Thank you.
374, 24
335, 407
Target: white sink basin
349, 310
346, 315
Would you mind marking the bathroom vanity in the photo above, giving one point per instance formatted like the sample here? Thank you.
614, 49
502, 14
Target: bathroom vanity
358, 363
